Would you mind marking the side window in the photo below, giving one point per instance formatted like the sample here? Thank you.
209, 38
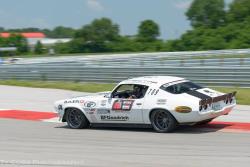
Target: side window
123, 91
180, 87
124, 88
130, 91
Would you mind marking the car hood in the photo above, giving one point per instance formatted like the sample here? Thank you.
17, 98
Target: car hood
82, 99
91, 95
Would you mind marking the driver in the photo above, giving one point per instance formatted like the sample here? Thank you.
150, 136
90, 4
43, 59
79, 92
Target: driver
137, 92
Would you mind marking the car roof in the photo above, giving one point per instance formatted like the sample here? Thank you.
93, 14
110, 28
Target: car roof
152, 80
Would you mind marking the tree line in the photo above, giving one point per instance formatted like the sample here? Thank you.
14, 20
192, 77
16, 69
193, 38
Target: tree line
214, 26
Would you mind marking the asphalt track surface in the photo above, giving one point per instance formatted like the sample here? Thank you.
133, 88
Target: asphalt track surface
35, 143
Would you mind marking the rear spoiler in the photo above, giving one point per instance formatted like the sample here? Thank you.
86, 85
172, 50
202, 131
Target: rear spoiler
217, 99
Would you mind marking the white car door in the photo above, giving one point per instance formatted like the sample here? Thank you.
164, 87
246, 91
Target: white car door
123, 110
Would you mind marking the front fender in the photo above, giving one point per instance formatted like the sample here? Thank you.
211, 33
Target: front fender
63, 114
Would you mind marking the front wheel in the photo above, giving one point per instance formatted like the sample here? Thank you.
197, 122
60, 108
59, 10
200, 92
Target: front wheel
162, 121
76, 119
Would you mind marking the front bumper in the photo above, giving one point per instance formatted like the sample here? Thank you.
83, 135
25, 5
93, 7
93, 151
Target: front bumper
59, 109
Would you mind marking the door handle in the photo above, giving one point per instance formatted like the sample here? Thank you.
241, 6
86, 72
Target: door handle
138, 104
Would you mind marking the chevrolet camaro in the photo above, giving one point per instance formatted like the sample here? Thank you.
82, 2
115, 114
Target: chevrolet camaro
160, 102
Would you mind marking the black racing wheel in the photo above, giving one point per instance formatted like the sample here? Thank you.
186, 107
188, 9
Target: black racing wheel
76, 119
162, 121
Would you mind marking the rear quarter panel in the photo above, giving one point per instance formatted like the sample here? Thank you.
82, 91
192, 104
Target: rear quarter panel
168, 101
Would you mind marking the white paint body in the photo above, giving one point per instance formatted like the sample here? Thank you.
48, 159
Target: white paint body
99, 108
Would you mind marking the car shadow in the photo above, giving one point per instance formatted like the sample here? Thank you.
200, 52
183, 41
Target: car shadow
195, 129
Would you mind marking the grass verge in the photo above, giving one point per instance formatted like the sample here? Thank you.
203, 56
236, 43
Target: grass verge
82, 87
243, 94
72, 54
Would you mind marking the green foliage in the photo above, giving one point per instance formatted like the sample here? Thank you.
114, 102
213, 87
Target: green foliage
39, 48
239, 11
102, 35
2, 29
99, 30
60, 32
208, 13
57, 32
232, 33
94, 37
15, 40
214, 27
148, 31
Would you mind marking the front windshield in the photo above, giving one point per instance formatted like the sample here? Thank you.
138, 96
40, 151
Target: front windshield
180, 87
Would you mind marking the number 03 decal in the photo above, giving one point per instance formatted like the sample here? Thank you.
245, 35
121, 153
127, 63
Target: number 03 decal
122, 105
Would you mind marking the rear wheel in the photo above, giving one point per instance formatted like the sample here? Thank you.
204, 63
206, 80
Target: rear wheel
162, 121
76, 119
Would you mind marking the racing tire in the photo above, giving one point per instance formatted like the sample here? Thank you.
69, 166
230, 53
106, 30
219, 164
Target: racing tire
76, 119
162, 121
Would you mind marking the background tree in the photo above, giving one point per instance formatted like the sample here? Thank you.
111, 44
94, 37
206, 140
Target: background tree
98, 34
2, 29
148, 31
61, 32
18, 41
99, 30
239, 11
39, 48
207, 13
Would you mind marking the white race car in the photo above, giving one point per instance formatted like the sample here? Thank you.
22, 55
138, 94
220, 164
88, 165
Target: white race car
161, 102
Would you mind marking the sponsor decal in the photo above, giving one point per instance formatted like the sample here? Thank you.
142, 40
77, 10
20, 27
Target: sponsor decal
161, 101
114, 118
103, 102
143, 82
207, 91
103, 111
89, 104
90, 110
60, 107
122, 105
210, 92
73, 101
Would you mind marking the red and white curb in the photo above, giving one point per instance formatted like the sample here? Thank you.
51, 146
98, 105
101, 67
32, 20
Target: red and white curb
29, 115
225, 126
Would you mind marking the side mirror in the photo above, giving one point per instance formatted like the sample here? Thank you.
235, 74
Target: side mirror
109, 96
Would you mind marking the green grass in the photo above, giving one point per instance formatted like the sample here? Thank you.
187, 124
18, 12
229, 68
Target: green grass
82, 87
71, 54
243, 94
